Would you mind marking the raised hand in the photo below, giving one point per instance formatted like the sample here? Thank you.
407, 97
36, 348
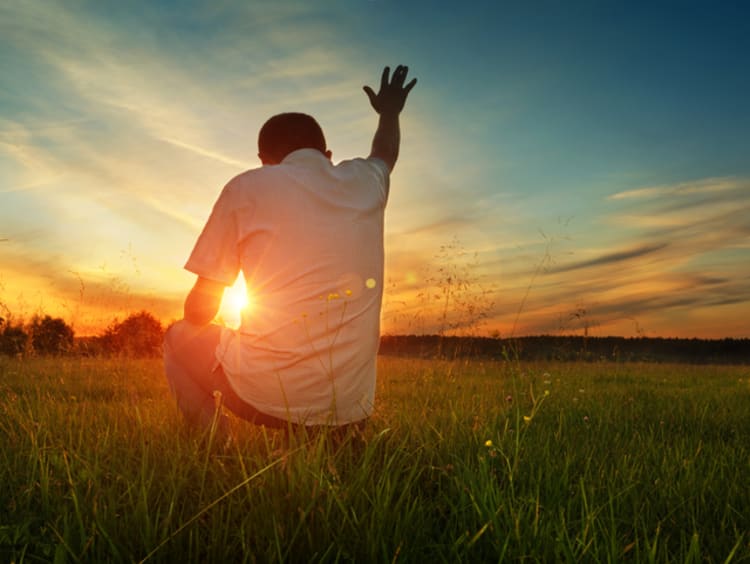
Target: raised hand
392, 95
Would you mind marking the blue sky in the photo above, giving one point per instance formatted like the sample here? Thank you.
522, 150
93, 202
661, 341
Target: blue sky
591, 158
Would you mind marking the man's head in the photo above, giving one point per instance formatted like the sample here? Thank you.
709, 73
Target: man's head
285, 133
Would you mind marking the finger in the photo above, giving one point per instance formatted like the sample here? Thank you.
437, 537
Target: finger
370, 93
409, 86
384, 77
398, 75
403, 70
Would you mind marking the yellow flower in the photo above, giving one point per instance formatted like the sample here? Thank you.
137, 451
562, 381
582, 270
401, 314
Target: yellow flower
488, 443
546, 392
527, 419
348, 292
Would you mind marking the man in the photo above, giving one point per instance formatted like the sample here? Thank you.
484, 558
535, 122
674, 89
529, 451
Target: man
308, 238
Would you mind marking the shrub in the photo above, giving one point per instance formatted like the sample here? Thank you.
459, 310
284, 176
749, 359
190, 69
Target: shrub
139, 335
51, 335
14, 339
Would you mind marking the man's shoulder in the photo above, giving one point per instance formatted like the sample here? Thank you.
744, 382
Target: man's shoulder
367, 166
365, 162
247, 179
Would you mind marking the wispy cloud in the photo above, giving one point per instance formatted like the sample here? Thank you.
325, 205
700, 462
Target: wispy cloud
205, 152
703, 186
612, 258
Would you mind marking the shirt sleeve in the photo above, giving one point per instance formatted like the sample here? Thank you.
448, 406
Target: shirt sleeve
382, 173
216, 254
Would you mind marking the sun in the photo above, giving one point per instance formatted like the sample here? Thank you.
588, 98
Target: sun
235, 303
237, 299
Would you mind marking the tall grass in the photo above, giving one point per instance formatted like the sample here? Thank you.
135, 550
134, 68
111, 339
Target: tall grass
462, 461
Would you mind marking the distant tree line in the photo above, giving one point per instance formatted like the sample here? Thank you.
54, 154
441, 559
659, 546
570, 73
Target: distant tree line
138, 335
570, 348
141, 335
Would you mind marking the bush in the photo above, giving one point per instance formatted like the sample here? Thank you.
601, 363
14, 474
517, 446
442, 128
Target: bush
14, 339
139, 335
51, 335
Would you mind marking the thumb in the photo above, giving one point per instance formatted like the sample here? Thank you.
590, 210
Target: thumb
370, 94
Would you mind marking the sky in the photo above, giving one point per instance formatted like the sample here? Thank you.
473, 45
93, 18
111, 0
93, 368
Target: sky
565, 167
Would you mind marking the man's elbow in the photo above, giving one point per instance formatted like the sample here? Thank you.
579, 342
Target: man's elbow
199, 318
196, 313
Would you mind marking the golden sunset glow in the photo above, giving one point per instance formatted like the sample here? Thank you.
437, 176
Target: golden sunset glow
578, 205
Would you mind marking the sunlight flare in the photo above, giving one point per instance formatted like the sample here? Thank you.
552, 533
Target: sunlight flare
236, 303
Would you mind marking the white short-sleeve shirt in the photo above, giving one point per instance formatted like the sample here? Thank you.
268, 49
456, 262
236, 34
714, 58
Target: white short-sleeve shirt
308, 237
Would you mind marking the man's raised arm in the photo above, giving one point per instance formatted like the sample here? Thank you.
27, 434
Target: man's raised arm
388, 103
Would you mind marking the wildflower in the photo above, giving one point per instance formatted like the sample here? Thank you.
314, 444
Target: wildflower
218, 397
527, 419
370, 283
509, 398
488, 443
546, 392
348, 292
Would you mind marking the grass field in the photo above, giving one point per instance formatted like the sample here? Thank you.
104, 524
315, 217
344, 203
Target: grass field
462, 461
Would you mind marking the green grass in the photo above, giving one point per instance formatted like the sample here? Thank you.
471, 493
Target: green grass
628, 462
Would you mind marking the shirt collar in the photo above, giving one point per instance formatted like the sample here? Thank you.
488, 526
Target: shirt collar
306, 156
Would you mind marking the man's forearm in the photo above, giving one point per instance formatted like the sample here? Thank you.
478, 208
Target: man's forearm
203, 301
385, 143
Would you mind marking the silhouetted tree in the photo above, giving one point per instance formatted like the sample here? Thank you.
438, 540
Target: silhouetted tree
140, 334
51, 335
14, 339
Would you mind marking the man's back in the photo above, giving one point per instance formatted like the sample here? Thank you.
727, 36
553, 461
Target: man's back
309, 237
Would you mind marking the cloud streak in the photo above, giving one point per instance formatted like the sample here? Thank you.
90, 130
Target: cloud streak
612, 258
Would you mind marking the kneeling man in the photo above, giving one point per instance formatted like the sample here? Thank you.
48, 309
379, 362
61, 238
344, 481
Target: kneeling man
308, 238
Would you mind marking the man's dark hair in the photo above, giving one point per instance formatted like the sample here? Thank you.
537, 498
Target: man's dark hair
285, 133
